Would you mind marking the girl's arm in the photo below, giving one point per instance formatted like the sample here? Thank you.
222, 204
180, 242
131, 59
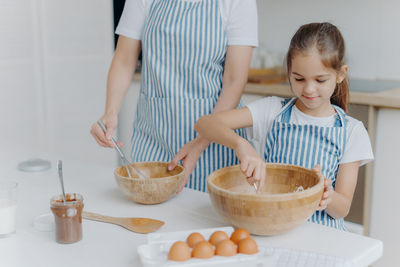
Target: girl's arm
219, 128
119, 78
337, 202
237, 63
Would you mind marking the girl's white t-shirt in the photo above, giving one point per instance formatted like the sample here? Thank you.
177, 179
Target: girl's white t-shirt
239, 19
264, 111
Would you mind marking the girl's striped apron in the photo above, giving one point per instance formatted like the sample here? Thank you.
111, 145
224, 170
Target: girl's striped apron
183, 48
306, 146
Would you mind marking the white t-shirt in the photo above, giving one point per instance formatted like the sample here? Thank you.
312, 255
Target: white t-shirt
239, 19
264, 111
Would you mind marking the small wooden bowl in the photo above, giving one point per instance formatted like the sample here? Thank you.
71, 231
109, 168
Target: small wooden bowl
159, 187
277, 210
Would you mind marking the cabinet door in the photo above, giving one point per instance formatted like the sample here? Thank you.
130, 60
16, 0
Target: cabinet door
385, 204
53, 69
21, 101
77, 50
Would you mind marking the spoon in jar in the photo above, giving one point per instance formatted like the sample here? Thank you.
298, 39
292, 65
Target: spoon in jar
121, 154
60, 176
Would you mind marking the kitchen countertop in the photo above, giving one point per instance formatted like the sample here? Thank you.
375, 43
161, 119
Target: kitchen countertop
378, 93
110, 245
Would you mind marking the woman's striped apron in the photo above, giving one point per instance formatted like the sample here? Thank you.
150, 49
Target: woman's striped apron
183, 48
306, 146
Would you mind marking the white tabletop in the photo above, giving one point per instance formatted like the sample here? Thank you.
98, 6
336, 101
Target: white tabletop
110, 245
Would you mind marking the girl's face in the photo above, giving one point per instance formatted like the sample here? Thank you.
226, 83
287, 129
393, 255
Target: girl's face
313, 84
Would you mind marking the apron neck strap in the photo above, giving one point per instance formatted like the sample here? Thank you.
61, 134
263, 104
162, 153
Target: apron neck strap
340, 117
288, 104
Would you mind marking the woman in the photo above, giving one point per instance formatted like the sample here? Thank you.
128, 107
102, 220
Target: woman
195, 59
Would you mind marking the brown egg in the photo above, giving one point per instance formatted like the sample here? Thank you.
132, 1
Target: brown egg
226, 248
247, 246
194, 238
217, 237
203, 250
179, 251
239, 234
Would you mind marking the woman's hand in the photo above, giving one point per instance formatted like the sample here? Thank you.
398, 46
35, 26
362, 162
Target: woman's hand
251, 164
104, 139
189, 154
328, 190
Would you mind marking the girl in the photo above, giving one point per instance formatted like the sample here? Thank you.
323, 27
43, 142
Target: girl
309, 130
196, 55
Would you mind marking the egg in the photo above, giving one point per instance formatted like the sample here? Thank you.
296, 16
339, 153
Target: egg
247, 246
203, 250
239, 234
225, 248
179, 251
217, 237
194, 238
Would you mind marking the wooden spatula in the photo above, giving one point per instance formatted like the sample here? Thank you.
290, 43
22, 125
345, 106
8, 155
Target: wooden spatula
138, 225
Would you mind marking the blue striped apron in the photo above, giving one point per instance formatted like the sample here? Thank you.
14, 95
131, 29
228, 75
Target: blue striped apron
306, 146
183, 48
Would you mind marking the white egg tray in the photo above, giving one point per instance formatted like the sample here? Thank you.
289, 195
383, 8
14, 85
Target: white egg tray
155, 252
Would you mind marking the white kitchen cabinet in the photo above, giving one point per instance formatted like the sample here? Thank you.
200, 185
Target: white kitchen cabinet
385, 204
54, 60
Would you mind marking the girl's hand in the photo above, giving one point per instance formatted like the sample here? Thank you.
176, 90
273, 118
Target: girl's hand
189, 154
104, 139
251, 164
328, 190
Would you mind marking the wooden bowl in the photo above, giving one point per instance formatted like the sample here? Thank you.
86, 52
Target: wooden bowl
277, 210
159, 187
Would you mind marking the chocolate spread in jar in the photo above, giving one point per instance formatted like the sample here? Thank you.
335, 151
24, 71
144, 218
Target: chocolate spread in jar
68, 217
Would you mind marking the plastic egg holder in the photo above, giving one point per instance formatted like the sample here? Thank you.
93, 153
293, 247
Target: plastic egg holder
279, 209
155, 252
159, 187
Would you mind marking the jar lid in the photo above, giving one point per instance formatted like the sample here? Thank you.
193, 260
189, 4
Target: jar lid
44, 222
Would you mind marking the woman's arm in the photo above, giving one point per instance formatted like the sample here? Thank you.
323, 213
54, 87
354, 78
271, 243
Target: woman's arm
237, 64
119, 78
338, 201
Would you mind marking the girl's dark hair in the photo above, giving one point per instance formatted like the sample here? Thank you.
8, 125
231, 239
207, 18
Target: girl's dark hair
329, 42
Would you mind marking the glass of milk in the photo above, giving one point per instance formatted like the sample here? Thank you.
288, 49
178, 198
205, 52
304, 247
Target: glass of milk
8, 207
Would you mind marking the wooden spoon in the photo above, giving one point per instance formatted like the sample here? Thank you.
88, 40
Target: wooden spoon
138, 225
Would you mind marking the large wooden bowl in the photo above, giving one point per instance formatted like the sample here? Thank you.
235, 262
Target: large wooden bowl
277, 210
159, 187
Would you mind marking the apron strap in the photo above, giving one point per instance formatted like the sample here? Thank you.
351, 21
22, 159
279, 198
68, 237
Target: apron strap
340, 117
288, 103
286, 110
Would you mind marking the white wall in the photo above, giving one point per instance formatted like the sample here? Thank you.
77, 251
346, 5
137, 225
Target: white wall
370, 28
54, 58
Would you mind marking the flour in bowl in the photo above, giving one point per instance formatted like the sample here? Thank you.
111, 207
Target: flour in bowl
299, 189
243, 189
